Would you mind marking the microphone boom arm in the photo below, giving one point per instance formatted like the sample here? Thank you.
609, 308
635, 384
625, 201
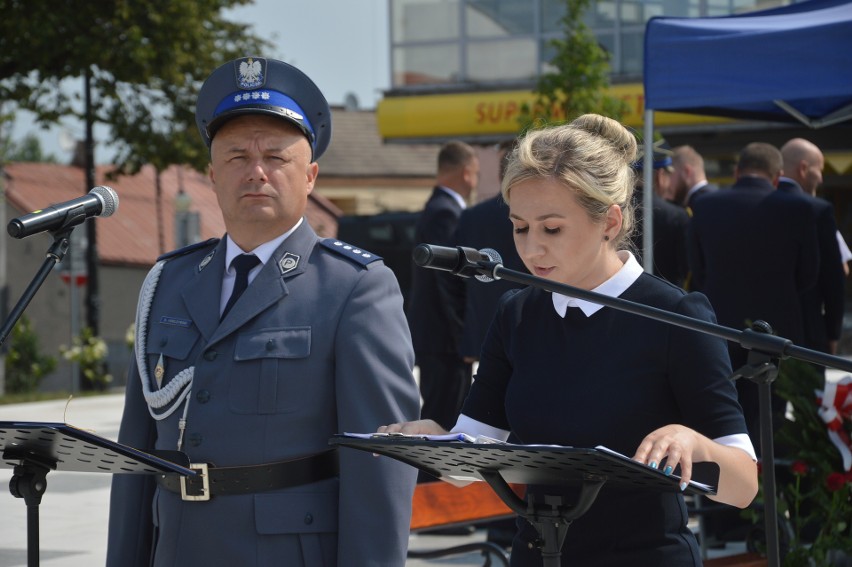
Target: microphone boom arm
776, 346
54, 255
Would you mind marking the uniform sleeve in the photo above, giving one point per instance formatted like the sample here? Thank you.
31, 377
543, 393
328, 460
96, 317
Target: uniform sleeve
374, 386
131, 530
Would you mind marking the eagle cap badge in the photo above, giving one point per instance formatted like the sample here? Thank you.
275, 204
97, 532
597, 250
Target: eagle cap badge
251, 72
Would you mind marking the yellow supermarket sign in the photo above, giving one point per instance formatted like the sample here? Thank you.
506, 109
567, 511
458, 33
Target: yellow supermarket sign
484, 113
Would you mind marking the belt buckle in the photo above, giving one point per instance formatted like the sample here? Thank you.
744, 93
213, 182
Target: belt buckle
205, 484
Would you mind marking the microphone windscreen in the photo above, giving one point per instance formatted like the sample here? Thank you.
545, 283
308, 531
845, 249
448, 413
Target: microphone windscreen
493, 256
109, 199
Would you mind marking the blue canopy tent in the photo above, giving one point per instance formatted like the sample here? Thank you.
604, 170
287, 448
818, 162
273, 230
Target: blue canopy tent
788, 64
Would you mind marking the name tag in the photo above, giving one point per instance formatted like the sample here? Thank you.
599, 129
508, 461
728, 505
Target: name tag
166, 320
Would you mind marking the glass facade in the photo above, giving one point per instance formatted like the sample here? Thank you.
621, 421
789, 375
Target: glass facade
490, 43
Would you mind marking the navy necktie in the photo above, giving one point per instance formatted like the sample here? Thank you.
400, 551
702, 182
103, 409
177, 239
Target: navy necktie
243, 265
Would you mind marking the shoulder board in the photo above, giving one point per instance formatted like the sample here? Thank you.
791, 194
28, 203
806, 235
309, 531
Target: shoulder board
188, 249
349, 251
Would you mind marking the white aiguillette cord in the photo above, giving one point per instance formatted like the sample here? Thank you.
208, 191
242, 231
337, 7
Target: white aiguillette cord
179, 387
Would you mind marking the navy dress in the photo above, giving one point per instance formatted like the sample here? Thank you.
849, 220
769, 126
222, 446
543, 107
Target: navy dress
609, 379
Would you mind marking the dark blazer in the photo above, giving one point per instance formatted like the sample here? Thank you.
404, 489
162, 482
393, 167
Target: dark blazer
317, 345
435, 305
823, 304
670, 249
703, 190
753, 251
485, 225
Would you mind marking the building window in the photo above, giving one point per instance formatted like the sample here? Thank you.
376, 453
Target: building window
424, 20
495, 61
492, 42
499, 18
426, 65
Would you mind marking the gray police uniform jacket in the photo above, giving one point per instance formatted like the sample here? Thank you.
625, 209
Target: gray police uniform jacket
317, 345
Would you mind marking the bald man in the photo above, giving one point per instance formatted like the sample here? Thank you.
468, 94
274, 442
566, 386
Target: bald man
689, 181
823, 304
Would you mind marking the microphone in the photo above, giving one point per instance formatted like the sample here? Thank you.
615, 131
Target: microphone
101, 201
461, 261
493, 256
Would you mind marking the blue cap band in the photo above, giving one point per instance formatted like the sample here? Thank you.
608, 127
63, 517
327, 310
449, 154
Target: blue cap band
282, 104
657, 163
660, 163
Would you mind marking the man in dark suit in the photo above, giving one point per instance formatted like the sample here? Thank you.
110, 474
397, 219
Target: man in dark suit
823, 304
251, 386
670, 221
485, 225
436, 307
689, 179
753, 251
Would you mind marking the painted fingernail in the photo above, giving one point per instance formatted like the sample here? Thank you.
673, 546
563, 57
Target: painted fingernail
653, 464
668, 470
682, 486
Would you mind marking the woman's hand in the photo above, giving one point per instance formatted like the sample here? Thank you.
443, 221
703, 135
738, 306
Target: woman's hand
675, 444
683, 446
419, 427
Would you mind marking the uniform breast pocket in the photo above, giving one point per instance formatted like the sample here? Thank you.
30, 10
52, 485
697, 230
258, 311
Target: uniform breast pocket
174, 344
269, 366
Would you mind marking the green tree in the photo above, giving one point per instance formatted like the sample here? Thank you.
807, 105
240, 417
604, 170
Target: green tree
145, 61
28, 149
580, 79
25, 365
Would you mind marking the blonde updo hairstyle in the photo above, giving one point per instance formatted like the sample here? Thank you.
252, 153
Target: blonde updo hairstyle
591, 156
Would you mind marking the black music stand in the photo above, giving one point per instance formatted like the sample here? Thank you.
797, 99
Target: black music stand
33, 449
499, 464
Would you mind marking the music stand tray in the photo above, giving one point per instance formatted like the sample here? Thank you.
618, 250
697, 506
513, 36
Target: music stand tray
33, 449
499, 464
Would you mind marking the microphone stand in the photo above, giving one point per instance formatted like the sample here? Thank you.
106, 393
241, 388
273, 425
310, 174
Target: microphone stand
28, 481
54, 255
766, 351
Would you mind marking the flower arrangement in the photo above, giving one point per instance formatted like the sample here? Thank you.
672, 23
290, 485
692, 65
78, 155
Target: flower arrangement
815, 479
90, 352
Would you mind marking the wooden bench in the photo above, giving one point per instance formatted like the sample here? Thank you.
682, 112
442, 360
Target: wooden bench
442, 505
741, 560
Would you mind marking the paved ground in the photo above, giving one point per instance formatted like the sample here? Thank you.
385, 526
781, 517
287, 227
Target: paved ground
73, 512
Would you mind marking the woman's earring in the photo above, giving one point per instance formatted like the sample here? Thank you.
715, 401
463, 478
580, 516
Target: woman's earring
606, 237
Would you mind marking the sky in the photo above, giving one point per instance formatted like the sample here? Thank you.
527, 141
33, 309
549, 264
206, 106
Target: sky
341, 44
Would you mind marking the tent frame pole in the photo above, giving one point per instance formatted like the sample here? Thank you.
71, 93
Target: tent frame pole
648, 193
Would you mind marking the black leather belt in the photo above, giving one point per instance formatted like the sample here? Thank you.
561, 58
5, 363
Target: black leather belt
217, 481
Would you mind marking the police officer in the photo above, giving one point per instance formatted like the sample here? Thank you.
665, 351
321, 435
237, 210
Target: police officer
252, 385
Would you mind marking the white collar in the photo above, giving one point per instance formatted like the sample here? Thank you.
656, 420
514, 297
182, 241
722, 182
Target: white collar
613, 287
263, 252
458, 198
696, 187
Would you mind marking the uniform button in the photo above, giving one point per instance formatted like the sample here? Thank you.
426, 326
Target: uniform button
164, 341
309, 519
270, 344
203, 396
195, 439
210, 355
